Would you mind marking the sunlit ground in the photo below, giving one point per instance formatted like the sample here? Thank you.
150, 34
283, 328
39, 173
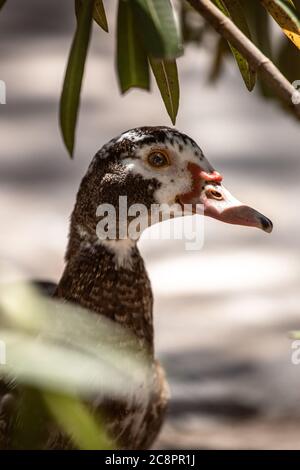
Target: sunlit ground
222, 314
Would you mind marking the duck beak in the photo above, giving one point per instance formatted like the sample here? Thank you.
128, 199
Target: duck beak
209, 197
221, 205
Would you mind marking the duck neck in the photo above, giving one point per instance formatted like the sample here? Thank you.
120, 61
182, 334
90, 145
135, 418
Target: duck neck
109, 278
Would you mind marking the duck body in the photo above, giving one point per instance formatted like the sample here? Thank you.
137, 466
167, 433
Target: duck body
109, 278
94, 280
105, 272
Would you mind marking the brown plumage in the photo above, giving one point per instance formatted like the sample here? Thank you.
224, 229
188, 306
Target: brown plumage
93, 279
109, 278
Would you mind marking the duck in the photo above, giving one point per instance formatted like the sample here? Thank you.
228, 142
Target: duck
104, 271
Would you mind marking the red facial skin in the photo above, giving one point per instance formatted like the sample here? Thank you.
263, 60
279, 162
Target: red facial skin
199, 176
225, 207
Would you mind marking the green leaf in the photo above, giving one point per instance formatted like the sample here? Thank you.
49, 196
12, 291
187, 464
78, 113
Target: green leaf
48, 342
233, 9
156, 21
77, 421
288, 18
259, 22
98, 13
166, 76
132, 63
77, 7
70, 98
29, 430
56, 353
221, 50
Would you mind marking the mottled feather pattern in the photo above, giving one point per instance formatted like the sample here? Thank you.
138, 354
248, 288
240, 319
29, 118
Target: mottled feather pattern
95, 279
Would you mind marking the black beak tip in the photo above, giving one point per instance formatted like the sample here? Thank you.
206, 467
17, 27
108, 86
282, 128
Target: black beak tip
266, 224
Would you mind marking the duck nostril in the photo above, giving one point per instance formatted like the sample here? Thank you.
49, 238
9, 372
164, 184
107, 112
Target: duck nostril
214, 194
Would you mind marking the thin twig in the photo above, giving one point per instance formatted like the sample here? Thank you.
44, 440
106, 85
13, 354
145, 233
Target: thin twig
257, 60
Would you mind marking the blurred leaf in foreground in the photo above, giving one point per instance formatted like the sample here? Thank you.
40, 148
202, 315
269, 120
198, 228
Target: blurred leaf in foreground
76, 419
65, 346
65, 355
30, 416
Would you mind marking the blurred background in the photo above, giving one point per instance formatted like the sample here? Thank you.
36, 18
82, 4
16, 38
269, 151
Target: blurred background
222, 314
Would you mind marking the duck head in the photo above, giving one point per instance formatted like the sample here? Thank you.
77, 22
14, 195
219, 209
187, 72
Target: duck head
158, 165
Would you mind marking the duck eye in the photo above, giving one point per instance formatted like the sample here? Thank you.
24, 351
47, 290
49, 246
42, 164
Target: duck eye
158, 159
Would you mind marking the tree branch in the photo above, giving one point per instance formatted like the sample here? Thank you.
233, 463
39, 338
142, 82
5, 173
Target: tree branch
257, 60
